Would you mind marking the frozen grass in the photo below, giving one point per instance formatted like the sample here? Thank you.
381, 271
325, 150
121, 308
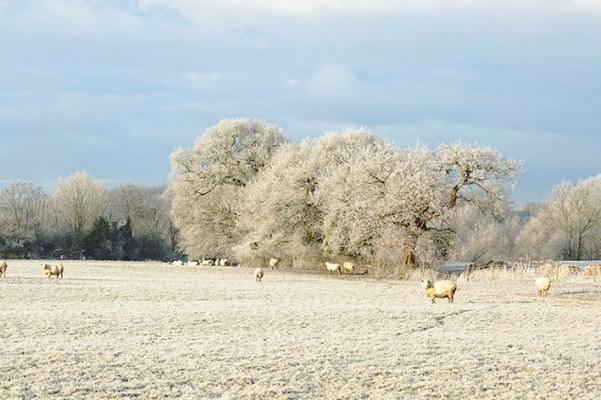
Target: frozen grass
153, 331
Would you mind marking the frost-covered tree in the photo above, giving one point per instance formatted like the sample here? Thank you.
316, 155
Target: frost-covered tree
277, 214
77, 202
414, 190
22, 207
206, 179
479, 237
145, 207
282, 211
355, 165
569, 225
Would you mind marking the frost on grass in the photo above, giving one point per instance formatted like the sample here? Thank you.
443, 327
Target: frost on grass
149, 330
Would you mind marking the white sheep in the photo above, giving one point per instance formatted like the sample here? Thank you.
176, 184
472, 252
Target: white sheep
273, 263
542, 285
259, 274
3, 267
224, 262
193, 263
53, 269
348, 267
331, 267
178, 263
440, 289
207, 263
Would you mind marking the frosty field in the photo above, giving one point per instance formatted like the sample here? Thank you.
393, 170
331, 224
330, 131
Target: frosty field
150, 330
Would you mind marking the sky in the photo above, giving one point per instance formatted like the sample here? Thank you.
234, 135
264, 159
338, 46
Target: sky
113, 87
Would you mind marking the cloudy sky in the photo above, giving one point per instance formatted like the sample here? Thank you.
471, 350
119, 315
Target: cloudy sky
112, 87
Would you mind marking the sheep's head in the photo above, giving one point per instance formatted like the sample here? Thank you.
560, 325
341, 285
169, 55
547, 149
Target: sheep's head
426, 283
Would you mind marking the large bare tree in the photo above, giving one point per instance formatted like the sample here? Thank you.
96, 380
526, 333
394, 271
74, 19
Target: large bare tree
78, 201
146, 209
414, 190
22, 207
569, 224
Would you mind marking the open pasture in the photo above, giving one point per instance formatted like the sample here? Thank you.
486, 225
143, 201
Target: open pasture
127, 330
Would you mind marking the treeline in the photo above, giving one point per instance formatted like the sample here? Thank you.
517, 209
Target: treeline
245, 191
84, 219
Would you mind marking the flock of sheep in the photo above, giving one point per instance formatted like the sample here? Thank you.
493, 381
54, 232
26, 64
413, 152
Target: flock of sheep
432, 290
224, 262
48, 269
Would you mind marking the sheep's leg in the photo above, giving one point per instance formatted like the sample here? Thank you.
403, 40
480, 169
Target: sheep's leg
433, 300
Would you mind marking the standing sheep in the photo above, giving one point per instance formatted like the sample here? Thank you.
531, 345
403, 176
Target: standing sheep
440, 289
273, 263
3, 267
331, 267
259, 274
53, 269
348, 267
543, 285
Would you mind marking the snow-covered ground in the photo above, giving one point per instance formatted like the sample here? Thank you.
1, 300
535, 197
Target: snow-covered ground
154, 331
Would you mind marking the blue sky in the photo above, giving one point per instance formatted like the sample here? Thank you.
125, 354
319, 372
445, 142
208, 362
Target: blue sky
113, 87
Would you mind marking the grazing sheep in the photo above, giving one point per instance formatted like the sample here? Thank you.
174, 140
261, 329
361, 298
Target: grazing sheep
224, 262
273, 263
178, 263
3, 268
53, 269
331, 267
440, 289
543, 285
193, 263
207, 263
348, 267
259, 274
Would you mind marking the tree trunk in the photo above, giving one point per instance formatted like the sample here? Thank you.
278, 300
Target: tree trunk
408, 257
409, 260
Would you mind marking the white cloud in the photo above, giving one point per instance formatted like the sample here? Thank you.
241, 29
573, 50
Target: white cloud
293, 82
332, 81
77, 18
201, 80
200, 10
